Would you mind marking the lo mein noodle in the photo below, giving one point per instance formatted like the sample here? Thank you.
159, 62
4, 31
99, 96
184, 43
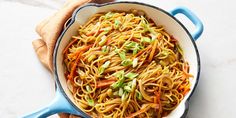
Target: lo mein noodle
121, 64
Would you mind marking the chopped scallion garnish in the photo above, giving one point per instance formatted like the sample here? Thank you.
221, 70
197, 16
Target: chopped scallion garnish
119, 83
88, 88
131, 75
126, 62
120, 92
103, 67
90, 102
117, 23
135, 62
146, 39
103, 40
139, 95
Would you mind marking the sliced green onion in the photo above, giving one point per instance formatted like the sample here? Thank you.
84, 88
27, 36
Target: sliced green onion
146, 39
126, 62
88, 88
116, 93
90, 102
91, 58
119, 83
134, 83
139, 95
103, 40
146, 26
163, 54
133, 46
120, 92
127, 88
153, 36
131, 75
122, 55
103, 67
106, 64
117, 23
119, 74
105, 49
124, 97
107, 29
135, 62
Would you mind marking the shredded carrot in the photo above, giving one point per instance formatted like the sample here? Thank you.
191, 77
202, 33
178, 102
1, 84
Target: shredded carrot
78, 55
108, 41
186, 90
68, 46
135, 40
186, 70
104, 83
71, 76
181, 87
153, 51
158, 98
142, 51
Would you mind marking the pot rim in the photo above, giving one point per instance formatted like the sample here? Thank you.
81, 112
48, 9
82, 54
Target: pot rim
121, 2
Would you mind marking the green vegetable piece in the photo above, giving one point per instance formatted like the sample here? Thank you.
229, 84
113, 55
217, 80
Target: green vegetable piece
90, 102
134, 83
133, 46
126, 62
146, 39
91, 58
131, 75
122, 55
146, 26
103, 67
119, 74
120, 92
119, 83
88, 88
124, 97
127, 88
135, 62
116, 93
103, 40
139, 95
117, 23
105, 49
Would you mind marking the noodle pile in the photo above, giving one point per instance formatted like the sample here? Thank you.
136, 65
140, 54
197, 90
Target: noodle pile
123, 65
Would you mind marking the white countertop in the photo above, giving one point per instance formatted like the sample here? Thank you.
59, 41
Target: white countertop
27, 86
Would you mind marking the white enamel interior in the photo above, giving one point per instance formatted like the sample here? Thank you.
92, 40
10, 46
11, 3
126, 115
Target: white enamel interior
160, 18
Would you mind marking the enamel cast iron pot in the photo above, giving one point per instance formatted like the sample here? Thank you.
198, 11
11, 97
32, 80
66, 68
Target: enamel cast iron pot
64, 101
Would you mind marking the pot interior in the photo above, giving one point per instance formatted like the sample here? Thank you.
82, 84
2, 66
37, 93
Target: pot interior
159, 16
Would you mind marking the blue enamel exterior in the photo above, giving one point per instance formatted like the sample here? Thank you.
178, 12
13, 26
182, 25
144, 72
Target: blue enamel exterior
193, 18
63, 104
58, 105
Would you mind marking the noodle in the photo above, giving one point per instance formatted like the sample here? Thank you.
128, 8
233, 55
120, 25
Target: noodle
122, 65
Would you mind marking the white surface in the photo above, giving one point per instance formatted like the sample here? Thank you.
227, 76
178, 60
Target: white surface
26, 85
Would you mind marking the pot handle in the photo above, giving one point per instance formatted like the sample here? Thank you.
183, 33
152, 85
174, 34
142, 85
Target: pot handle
192, 17
58, 105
